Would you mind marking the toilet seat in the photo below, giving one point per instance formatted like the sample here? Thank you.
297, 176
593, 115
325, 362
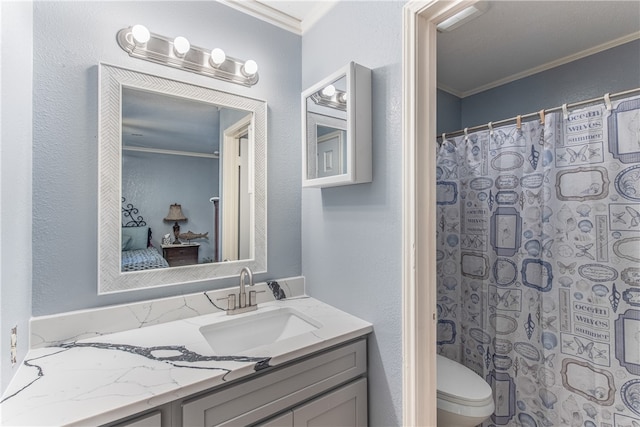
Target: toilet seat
460, 385
464, 399
458, 401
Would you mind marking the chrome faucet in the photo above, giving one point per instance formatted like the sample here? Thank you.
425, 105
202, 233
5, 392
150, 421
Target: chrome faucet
246, 271
242, 306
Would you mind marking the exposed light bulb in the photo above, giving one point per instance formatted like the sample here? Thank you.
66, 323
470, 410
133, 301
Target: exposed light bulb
140, 34
181, 46
250, 68
217, 57
329, 91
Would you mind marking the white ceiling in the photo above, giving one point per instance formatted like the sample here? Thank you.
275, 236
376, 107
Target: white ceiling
513, 39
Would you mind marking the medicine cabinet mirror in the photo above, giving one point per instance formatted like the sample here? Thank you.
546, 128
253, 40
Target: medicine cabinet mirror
336, 129
165, 142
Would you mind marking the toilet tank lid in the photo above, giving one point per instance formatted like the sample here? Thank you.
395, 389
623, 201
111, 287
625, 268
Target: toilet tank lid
460, 382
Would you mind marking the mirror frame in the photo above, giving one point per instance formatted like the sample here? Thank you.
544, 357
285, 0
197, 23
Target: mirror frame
110, 277
358, 127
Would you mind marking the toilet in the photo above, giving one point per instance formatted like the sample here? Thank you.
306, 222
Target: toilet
464, 398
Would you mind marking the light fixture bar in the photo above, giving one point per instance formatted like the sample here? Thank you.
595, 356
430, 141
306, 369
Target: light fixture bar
337, 99
162, 50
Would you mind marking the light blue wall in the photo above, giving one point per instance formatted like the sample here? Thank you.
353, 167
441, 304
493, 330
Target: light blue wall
16, 53
613, 70
448, 113
152, 182
70, 39
351, 236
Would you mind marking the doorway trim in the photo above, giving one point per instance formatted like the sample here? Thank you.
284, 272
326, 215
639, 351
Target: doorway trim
419, 319
230, 243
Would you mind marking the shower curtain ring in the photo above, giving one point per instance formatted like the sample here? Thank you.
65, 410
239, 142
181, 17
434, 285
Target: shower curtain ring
607, 101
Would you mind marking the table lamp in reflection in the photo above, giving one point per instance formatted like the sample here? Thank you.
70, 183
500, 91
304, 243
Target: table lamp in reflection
175, 214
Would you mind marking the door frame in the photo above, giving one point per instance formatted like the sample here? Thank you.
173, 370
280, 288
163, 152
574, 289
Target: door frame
230, 187
419, 319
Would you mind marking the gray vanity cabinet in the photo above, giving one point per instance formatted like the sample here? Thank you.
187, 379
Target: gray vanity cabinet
345, 407
325, 388
291, 388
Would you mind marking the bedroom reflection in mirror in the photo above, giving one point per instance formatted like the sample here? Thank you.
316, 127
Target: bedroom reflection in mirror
194, 152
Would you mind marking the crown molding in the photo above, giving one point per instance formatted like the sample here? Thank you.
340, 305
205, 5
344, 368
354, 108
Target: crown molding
319, 10
266, 13
280, 19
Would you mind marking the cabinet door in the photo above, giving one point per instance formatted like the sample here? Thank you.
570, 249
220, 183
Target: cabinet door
345, 407
259, 399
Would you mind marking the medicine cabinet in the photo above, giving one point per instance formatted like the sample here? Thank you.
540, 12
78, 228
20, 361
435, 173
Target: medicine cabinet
336, 129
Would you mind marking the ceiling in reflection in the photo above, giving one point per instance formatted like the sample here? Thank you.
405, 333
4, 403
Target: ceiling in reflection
159, 121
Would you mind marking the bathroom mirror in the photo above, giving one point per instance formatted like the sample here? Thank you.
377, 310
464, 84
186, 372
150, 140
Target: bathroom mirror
336, 129
165, 142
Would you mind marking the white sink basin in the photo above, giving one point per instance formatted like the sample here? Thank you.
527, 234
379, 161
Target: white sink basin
235, 335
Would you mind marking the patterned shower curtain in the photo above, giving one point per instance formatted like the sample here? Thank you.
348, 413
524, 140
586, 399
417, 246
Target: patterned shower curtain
538, 255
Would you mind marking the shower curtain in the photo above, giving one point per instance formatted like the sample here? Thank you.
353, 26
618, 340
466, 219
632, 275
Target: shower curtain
538, 255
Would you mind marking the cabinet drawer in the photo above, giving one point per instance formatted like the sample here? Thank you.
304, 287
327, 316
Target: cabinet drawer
257, 399
153, 419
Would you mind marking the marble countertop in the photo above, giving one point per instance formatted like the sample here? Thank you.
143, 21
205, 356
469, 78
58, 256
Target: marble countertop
95, 380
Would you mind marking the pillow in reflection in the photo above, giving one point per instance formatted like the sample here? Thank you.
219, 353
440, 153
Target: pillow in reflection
137, 238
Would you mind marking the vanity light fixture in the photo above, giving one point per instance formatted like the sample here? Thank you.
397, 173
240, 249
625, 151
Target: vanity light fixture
250, 68
181, 46
217, 57
141, 34
331, 97
329, 91
140, 43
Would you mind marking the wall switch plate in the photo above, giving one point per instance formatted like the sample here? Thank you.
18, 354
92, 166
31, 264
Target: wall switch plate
14, 345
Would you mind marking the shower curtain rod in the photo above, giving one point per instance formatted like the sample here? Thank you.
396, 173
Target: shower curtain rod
606, 98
